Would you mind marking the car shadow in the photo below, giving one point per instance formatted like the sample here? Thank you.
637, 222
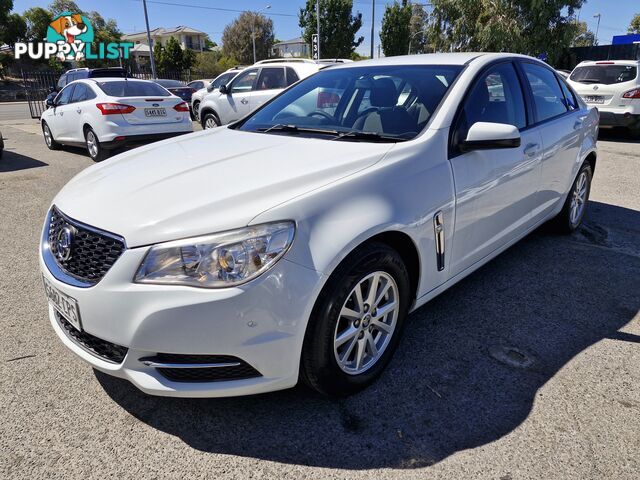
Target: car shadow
465, 374
13, 162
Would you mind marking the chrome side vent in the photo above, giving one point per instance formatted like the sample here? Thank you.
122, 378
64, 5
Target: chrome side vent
438, 228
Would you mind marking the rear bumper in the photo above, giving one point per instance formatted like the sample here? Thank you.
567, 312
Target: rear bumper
611, 119
136, 140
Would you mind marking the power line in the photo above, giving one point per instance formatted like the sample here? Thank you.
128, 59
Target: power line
218, 9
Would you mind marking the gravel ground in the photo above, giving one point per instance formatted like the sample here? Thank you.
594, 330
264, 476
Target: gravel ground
527, 369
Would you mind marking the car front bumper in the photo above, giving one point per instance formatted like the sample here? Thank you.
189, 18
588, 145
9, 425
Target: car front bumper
261, 323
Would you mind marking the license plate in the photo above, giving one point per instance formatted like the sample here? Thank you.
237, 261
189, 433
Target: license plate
155, 112
594, 99
63, 303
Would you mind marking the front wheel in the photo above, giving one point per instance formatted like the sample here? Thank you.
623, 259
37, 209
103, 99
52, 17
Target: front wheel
210, 121
575, 206
357, 322
94, 148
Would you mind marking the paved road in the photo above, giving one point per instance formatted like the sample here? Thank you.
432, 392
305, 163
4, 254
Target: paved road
14, 111
457, 401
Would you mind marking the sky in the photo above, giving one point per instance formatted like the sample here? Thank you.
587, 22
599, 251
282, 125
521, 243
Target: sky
616, 15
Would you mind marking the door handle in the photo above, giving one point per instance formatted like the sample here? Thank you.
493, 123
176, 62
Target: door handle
531, 149
79, 110
244, 101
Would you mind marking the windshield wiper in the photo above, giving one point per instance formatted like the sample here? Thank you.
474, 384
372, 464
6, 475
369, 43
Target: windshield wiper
282, 127
359, 135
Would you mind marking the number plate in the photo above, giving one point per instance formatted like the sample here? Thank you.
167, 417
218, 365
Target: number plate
155, 112
594, 98
63, 303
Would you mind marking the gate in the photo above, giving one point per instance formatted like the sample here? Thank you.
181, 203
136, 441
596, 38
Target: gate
37, 86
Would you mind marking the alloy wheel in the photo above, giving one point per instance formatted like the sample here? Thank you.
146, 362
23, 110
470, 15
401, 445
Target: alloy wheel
366, 323
578, 198
47, 135
92, 144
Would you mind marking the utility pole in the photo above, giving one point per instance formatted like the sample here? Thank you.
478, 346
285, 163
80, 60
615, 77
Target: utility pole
153, 62
373, 24
318, 26
253, 30
597, 15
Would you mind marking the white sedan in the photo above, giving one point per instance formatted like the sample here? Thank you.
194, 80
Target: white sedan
293, 244
104, 114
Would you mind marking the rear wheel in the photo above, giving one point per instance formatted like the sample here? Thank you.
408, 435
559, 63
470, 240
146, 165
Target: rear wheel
48, 138
195, 111
357, 322
94, 148
575, 206
210, 121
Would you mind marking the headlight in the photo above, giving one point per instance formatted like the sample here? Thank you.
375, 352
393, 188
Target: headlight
219, 260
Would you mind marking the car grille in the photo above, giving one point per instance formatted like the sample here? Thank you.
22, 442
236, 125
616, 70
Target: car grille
215, 374
100, 348
93, 252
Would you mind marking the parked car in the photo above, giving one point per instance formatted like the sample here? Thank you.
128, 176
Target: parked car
251, 88
613, 86
221, 79
293, 243
108, 113
1, 144
199, 84
81, 73
564, 73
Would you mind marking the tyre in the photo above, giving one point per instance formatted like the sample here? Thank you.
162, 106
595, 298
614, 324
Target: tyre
94, 148
210, 121
575, 206
48, 138
195, 111
356, 322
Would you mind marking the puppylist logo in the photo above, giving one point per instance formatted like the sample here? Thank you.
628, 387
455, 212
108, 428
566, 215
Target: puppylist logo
70, 37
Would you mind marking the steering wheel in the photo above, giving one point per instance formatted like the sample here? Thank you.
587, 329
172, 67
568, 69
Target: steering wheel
320, 113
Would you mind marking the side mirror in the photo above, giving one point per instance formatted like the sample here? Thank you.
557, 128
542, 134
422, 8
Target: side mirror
50, 101
224, 90
489, 136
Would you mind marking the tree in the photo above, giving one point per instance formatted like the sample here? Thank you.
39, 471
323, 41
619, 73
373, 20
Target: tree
60, 6
38, 20
522, 26
171, 57
5, 8
634, 26
212, 64
396, 29
584, 37
338, 27
419, 18
15, 29
236, 37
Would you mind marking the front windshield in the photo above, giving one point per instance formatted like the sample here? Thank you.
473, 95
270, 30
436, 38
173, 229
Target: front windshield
223, 79
392, 103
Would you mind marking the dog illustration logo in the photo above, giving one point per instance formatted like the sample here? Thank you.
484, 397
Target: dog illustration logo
72, 29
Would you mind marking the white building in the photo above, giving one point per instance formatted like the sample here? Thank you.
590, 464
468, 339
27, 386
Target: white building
296, 47
189, 38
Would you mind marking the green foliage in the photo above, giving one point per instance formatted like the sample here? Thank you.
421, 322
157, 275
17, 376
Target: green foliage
212, 64
520, 26
171, 57
237, 39
396, 29
584, 37
338, 27
5, 7
38, 20
634, 26
59, 6
208, 43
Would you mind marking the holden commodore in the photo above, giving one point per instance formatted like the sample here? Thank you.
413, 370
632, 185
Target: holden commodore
293, 243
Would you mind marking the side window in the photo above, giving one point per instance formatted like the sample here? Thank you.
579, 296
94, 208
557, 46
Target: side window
79, 93
64, 97
495, 98
547, 94
244, 82
292, 76
570, 100
90, 93
271, 78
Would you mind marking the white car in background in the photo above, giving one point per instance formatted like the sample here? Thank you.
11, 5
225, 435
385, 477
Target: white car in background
251, 88
293, 244
104, 114
613, 86
210, 86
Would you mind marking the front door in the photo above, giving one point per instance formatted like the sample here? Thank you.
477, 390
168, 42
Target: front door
62, 113
235, 104
495, 189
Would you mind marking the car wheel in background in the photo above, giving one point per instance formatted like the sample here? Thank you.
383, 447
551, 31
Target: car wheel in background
48, 138
575, 206
210, 121
94, 148
356, 322
195, 111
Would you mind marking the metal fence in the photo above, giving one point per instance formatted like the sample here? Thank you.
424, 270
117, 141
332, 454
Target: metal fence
39, 84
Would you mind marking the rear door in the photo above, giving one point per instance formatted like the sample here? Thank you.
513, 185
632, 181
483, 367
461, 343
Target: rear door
560, 123
271, 81
79, 100
62, 110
